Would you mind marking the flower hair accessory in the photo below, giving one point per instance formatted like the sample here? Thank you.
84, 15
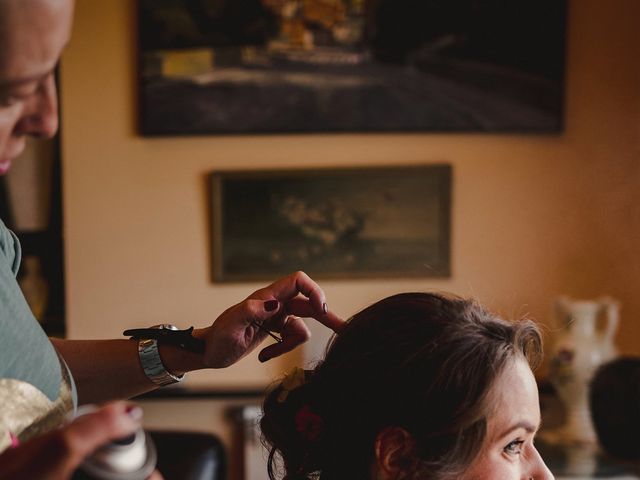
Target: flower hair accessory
308, 424
293, 379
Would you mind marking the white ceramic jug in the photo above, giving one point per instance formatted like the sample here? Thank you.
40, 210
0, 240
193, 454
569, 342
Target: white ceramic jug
580, 347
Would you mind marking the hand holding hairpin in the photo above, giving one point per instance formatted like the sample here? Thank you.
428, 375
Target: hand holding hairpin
267, 331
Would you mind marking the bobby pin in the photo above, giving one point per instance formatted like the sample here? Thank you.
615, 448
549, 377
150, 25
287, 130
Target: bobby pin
269, 332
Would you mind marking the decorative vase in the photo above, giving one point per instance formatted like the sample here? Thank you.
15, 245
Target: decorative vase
579, 349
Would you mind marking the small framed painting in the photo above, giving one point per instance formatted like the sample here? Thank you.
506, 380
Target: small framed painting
331, 223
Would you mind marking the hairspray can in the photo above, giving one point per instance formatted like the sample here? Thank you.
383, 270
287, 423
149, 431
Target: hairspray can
131, 458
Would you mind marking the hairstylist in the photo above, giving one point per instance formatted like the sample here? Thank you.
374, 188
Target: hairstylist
41, 380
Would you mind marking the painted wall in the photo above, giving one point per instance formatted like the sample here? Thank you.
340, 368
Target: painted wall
533, 216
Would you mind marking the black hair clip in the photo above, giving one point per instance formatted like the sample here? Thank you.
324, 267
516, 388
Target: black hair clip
169, 335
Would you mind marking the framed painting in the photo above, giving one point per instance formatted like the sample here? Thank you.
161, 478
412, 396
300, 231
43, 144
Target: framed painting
331, 223
261, 66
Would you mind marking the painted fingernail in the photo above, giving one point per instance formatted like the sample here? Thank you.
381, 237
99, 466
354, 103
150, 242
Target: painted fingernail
325, 309
15, 441
271, 305
134, 412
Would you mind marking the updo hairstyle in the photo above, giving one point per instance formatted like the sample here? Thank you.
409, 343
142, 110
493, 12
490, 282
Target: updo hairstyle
422, 362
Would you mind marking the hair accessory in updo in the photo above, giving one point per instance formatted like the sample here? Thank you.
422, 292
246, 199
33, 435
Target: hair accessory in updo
293, 379
308, 424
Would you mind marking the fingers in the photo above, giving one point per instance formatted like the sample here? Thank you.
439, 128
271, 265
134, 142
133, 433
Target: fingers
261, 311
294, 332
287, 290
300, 307
252, 310
296, 295
156, 476
92, 430
290, 286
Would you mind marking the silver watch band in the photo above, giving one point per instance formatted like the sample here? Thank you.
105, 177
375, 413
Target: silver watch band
152, 364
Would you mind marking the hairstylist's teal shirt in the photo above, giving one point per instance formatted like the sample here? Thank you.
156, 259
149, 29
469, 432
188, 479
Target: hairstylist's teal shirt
36, 388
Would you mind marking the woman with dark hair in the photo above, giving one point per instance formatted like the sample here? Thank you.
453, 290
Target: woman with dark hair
416, 386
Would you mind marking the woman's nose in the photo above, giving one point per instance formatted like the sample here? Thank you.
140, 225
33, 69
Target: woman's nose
538, 470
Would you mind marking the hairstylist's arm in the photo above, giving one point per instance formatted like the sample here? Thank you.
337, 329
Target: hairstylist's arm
110, 369
57, 454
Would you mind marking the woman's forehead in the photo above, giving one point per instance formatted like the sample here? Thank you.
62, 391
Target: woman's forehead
515, 400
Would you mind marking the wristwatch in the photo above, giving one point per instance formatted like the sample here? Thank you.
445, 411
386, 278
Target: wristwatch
148, 340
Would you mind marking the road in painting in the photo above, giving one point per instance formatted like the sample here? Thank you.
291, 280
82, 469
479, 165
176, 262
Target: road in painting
240, 66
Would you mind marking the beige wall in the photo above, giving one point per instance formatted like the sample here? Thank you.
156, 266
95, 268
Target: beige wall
533, 215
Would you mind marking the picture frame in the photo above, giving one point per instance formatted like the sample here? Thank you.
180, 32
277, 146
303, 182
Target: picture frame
331, 223
282, 66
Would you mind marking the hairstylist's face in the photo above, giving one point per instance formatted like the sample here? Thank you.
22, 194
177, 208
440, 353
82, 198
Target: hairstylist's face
32, 35
508, 452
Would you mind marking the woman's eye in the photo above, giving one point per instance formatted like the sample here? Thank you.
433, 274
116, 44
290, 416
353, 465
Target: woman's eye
514, 448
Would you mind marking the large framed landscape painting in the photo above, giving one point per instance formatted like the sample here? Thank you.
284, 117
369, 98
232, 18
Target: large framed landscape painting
331, 223
261, 66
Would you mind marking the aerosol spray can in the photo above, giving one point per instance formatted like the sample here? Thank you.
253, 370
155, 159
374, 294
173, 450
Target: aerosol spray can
130, 458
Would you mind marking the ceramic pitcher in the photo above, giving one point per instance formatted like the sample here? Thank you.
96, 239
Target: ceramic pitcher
583, 343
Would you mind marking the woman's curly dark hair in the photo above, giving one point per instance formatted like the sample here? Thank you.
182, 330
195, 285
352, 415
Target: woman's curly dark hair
423, 362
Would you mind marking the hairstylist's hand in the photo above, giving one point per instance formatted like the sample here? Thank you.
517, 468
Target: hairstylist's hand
57, 454
277, 308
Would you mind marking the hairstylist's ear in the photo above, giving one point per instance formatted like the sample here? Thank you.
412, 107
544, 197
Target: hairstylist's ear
394, 453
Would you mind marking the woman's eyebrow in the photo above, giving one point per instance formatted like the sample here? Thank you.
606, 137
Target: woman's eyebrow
529, 427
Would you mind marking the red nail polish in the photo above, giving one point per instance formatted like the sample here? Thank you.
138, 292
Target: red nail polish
325, 309
271, 305
134, 412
